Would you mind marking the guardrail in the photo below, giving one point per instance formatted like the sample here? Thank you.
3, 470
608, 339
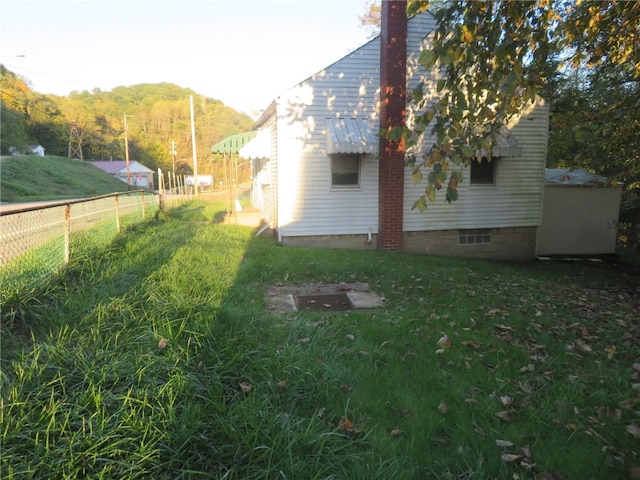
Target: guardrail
40, 240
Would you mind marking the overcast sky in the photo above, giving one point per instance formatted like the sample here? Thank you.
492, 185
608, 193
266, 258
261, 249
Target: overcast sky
244, 53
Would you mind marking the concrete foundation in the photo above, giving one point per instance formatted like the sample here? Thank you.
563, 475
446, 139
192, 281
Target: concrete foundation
513, 243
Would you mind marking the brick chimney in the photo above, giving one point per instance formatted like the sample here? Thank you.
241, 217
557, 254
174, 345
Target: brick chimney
393, 84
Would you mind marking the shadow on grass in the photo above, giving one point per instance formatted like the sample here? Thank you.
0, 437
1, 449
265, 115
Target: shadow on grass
159, 359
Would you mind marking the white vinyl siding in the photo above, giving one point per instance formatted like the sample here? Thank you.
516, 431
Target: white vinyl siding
513, 201
309, 204
301, 193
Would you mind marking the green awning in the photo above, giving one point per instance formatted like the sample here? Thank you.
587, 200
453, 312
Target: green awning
234, 143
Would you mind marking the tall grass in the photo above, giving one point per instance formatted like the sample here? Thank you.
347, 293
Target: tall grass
159, 358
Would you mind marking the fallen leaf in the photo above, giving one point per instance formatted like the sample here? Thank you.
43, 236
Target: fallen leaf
246, 387
506, 400
444, 341
510, 457
442, 408
472, 344
505, 415
350, 337
582, 347
634, 429
162, 343
344, 424
304, 341
385, 343
395, 432
281, 384
320, 412
504, 443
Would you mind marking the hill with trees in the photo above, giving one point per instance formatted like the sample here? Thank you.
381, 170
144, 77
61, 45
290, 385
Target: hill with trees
157, 114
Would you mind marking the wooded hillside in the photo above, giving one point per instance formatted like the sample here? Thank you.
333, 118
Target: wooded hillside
157, 114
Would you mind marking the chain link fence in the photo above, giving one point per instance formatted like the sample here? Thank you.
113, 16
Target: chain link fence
37, 242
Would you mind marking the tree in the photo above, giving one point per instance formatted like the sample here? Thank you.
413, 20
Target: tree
494, 58
370, 19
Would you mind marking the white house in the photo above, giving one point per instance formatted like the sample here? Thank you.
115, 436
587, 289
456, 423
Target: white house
139, 175
316, 159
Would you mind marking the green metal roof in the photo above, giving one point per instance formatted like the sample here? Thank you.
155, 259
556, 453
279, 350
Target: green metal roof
233, 143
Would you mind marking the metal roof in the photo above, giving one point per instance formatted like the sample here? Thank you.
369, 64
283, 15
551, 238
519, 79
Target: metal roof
350, 135
258, 147
567, 176
505, 145
233, 143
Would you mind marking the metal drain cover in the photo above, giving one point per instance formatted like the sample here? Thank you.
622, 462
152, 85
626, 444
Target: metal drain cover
339, 302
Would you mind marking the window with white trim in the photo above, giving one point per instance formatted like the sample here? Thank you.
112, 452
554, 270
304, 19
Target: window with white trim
474, 236
345, 170
483, 172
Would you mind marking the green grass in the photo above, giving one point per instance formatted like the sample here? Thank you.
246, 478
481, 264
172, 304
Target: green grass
131, 365
27, 178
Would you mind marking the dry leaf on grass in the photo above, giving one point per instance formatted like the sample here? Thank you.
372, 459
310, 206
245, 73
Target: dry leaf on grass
504, 443
510, 457
442, 408
634, 429
395, 432
246, 387
162, 343
281, 384
505, 415
444, 341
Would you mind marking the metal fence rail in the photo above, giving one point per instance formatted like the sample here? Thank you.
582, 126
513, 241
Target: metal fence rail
40, 240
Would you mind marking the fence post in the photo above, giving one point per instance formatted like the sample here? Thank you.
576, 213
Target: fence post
117, 213
67, 234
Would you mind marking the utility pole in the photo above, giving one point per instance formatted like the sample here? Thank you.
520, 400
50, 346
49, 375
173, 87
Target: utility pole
173, 156
193, 143
126, 149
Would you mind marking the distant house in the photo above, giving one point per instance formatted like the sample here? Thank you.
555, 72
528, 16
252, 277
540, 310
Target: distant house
37, 150
316, 167
139, 175
32, 149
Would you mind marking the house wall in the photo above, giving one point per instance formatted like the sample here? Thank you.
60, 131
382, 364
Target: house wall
264, 192
579, 220
307, 205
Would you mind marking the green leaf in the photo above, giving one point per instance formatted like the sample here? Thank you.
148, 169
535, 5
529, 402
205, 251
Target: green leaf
427, 58
420, 204
452, 195
440, 85
430, 192
416, 175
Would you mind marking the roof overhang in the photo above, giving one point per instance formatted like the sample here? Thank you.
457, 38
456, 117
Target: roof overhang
233, 143
350, 135
258, 147
505, 145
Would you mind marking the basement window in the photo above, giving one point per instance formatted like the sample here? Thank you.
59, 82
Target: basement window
483, 172
474, 236
345, 170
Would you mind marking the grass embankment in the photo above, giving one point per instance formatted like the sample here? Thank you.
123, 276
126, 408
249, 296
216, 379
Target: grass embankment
27, 178
160, 360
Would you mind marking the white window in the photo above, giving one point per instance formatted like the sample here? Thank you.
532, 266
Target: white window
345, 170
483, 172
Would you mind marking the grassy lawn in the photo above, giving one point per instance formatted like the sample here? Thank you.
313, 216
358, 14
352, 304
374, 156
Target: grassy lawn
27, 178
159, 359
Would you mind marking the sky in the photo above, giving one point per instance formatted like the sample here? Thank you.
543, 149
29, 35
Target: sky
242, 52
